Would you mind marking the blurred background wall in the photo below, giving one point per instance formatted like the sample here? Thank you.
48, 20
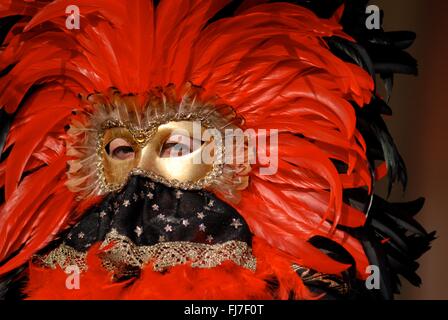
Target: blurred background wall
420, 129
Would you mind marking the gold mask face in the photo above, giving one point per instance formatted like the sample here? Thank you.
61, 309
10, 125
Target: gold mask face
169, 153
156, 135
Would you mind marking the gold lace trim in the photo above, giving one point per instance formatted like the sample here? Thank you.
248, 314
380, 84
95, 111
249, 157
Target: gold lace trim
63, 256
124, 255
168, 254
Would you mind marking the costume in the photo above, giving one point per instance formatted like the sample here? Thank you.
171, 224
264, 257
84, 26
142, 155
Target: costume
88, 180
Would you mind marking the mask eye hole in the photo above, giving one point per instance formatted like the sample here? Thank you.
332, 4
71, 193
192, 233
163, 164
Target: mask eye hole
120, 149
178, 145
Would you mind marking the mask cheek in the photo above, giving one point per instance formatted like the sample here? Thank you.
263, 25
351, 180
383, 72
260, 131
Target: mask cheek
183, 169
116, 171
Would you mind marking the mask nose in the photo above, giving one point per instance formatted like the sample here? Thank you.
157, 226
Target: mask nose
187, 168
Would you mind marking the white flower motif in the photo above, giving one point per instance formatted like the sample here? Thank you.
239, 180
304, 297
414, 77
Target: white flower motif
150, 185
138, 230
200, 215
236, 223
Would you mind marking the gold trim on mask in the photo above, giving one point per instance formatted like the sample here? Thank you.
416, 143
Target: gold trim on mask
144, 121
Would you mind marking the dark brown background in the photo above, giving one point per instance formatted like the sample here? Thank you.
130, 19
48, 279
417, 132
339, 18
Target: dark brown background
420, 128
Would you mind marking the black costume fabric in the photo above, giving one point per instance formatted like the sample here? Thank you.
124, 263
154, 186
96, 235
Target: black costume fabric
147, 213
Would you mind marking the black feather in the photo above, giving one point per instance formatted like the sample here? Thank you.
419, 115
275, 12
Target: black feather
5, 124
353, 52
6, 23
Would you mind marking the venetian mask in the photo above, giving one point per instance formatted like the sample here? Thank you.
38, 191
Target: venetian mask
177, 142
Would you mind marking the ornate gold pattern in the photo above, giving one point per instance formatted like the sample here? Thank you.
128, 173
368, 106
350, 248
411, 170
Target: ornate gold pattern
332, 282
63, 256
168, 254
121, 254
